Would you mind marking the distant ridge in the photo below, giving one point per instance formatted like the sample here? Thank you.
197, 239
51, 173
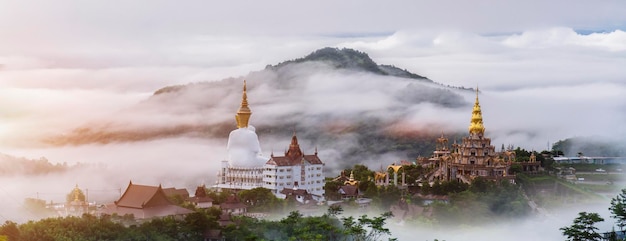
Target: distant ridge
351, 59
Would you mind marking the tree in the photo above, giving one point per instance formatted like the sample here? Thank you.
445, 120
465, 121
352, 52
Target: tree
583, 227
331, 190
10, 230
618, 209
365, 228
261, 199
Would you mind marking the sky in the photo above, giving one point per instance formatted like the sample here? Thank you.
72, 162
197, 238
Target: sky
89, 59
555, 66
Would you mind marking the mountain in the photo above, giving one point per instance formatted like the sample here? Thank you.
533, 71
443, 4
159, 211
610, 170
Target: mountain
338, 100
351, 59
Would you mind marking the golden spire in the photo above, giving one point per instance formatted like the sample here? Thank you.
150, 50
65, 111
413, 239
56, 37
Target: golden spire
351, 181
243, 114
76, 192
476, 124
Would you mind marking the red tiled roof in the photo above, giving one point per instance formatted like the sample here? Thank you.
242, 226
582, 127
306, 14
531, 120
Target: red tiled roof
232, 203
144, 202
288, 191
140, 196
349, 190
201, 199
174, 191
200, 191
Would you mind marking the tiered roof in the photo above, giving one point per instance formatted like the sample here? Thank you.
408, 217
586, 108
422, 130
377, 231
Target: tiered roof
294, 156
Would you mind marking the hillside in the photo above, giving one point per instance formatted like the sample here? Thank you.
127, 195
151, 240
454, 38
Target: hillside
338, 100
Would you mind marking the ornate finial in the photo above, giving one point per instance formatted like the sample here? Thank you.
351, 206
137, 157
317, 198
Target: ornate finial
476, 124
244, 113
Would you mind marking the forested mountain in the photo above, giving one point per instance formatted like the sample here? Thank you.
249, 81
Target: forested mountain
338, 100
350, 59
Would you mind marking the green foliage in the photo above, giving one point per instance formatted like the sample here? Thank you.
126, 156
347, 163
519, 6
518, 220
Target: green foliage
484, 201
331, 190
583, 227
218, 197
10, 231
444, 188
297, 227
618, 209
413, 172
261, 200
106, 227
361, 172
515, 168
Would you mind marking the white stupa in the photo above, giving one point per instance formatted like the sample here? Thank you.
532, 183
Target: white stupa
244, 149
244, 167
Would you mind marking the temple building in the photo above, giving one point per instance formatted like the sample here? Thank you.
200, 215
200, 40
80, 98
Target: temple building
144, 202
246, 167
473, 157
295, 170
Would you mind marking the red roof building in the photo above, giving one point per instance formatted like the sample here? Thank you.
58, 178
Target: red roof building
144, 202
201, 198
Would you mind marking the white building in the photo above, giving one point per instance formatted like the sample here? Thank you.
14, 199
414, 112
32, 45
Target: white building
295, 171
246, 167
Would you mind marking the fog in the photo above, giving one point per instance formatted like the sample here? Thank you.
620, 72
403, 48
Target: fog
77, 82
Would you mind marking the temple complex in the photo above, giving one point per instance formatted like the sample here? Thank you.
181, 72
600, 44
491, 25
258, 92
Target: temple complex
473, 157
246, 167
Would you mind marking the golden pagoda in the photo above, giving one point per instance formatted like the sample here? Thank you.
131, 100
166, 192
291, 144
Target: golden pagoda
473, 157
476, 126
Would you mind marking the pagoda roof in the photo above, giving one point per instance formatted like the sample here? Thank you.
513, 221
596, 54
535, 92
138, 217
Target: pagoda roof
144, 202
294, 156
